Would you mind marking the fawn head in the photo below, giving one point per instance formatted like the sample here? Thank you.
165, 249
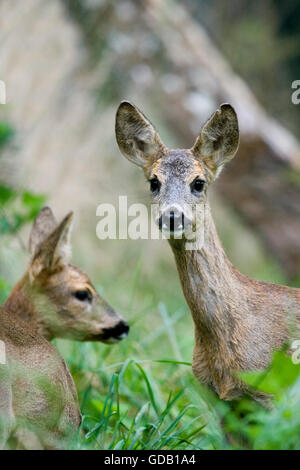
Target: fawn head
178, 179
64, 299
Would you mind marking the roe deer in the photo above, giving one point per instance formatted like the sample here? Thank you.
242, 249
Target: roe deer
238, 321
38, 400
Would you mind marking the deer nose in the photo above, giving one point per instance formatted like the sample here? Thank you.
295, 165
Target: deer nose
117, 332
171, 220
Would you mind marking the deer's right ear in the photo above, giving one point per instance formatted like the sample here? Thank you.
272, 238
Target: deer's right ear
43, 226
136, 136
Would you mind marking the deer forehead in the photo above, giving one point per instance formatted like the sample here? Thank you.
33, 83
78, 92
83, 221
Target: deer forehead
70, 276
180, 164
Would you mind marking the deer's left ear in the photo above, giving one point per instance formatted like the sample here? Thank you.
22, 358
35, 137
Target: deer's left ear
55, 250
219, 139
137, 138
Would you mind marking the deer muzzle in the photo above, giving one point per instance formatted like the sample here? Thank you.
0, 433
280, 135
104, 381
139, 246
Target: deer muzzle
173, 220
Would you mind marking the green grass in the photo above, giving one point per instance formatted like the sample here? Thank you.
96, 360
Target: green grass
139, 403
141, 393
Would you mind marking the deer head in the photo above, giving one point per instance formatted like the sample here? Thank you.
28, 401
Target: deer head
179, 179
58, 297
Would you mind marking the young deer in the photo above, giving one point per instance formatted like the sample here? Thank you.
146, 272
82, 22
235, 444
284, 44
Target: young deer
238, 321
38, 400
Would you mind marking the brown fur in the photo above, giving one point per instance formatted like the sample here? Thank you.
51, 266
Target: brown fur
38, 400
239, 321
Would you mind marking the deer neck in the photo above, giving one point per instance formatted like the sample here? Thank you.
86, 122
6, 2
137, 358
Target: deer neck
25, 303
209, 281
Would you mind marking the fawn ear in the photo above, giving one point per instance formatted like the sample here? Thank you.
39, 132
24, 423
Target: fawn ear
219, 139
55, 250
43, 226
136, 136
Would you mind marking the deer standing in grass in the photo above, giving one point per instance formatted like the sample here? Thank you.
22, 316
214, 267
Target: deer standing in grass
238, 321
38, 401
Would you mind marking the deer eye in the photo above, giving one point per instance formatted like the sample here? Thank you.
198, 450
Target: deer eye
197, 186
154, 185
83, 295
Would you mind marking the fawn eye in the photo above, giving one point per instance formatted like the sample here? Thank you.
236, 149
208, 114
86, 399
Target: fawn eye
83, 295
154, 185
197, 186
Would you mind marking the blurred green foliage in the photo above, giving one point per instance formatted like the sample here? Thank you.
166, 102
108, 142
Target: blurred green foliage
6, 133
281, 375
276, 429
17, 206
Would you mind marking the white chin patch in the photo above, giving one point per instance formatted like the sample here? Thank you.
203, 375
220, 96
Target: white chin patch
117, 339
123, 335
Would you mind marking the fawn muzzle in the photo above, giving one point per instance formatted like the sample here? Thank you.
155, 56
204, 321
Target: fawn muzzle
116, 333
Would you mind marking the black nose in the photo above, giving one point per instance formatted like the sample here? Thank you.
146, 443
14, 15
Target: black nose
119, 331
171, 221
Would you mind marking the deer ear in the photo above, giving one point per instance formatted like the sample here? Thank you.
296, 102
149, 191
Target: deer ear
55, 250
136, 136
219, 139
43, 226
